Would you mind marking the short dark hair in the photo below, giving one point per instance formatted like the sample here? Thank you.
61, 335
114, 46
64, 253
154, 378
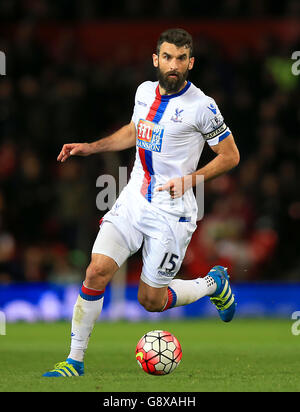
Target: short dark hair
179, 37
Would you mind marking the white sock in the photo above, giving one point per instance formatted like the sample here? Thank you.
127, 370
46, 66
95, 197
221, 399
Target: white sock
85, 313
183, 292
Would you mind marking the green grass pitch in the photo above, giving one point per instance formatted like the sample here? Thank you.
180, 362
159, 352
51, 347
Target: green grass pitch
244, 355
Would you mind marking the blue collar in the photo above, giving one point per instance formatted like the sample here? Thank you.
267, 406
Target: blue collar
171, 96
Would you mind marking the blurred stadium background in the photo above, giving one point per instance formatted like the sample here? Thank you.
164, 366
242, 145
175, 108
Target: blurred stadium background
71, 75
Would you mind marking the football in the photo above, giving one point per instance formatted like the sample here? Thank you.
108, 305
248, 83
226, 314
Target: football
158, 352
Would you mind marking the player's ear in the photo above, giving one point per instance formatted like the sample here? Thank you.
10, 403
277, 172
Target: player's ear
191, 63
155, 60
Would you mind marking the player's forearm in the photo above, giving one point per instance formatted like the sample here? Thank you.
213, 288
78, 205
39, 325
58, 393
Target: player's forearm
122, 139
220, 164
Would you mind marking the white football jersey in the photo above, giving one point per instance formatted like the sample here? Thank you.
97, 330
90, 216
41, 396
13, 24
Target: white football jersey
170, 134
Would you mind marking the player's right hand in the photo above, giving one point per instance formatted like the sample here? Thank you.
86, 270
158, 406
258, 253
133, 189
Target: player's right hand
74, 149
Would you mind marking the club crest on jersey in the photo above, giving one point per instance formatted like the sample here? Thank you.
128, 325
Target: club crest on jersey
177, 116
149, 135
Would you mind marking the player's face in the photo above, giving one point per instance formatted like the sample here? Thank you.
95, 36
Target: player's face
173, 64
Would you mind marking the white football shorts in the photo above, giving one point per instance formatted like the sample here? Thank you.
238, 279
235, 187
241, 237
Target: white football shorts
132, 223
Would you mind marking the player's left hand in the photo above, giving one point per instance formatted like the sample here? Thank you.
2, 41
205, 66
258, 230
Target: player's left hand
177, 186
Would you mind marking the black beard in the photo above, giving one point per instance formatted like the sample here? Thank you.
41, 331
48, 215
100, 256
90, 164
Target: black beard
169, 84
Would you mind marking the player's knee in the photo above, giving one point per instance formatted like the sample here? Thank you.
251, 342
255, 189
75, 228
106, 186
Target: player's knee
151, 305
97, 276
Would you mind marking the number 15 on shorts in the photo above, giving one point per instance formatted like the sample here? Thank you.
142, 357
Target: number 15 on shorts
167, 266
